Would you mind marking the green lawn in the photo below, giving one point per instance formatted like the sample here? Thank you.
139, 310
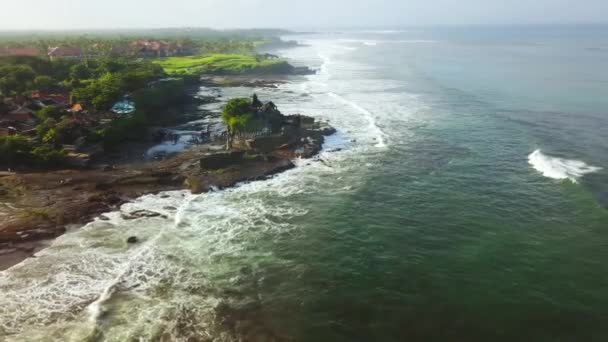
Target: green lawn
223, 64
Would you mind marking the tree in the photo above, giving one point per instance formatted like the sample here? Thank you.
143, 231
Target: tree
14, 149
49, 112
48, 155
16, 79
101, 93
8, 85
237, 107
43, 83
236, 115
80, 72
43, 128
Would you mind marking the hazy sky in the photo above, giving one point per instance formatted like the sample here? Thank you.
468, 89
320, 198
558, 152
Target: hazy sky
61, 14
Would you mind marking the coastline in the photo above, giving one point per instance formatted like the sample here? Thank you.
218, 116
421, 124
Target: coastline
58, 199
41, 206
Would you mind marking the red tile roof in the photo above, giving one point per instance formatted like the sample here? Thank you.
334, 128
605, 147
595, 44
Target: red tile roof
24, 51
65, 52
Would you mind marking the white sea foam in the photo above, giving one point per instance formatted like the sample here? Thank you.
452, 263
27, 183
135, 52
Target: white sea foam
380, 135
96, 309
205, 240
559, 168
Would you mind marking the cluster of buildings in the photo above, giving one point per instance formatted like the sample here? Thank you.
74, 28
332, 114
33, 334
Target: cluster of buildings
143, 48
18, 114
158, 48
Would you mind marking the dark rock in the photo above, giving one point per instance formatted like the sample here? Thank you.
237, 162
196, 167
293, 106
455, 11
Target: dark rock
142, 214
218, 161
132, 240
327, 131
269, 143
113, 199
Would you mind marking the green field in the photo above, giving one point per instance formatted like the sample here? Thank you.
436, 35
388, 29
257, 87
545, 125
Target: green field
223, 64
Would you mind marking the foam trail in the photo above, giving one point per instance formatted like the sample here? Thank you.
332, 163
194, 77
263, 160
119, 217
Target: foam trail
558, 168
96, 308
368, 115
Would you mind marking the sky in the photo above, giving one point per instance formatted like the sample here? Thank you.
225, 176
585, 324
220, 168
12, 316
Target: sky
109, 14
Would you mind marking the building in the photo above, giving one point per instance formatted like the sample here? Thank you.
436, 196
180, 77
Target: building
44, 99
20, 52
160, 48
61, 52
21, 115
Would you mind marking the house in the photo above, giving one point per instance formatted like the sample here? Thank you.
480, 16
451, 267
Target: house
20, 52
20, 115
160, 48
45, 99
77, 108
62, 52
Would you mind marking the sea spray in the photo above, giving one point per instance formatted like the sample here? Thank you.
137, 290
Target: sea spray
96, 309
559, 168
380, 135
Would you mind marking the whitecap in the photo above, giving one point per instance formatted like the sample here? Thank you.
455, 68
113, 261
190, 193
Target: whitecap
380, 135
559, 168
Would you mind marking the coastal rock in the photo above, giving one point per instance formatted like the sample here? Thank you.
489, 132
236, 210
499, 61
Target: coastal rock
269, 143
219, 161
132, 239
141, 214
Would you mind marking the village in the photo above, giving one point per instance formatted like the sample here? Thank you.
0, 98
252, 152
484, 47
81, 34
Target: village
75, 124
64, 105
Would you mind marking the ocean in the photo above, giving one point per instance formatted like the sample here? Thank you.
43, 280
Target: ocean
464, 198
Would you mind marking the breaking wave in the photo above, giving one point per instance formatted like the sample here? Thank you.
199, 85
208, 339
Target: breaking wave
380, 135
559, 168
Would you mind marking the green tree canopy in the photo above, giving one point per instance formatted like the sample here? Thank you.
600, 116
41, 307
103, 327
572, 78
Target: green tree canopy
238, 115
16, 79
101, 93
43, 83
49, 112
80, 72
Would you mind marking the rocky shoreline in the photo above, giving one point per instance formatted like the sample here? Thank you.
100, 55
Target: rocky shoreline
39, 206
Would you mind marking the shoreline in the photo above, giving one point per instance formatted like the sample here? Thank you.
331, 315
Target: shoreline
40, 206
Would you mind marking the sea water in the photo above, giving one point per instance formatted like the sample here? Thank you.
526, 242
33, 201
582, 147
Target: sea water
463, 198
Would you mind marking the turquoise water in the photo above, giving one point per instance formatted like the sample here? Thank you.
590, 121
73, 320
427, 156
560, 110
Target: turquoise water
467, 202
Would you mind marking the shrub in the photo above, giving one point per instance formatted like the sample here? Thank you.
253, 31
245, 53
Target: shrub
49, 112
48, 156
129, 128
43, 83
14, 149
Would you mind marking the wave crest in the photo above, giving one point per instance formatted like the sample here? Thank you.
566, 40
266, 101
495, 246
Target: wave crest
559, 168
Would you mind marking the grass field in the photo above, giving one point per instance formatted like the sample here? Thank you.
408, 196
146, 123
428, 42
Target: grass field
223, 64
